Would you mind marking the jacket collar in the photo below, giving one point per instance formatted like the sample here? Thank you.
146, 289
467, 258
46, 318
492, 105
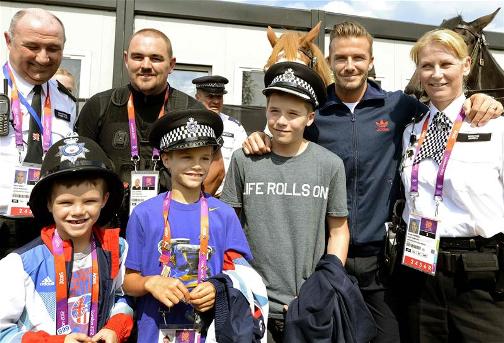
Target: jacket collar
373, 92
107, 239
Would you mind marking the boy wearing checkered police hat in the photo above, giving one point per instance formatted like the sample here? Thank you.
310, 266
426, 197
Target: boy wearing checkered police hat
180, 238
68, 281
286, 197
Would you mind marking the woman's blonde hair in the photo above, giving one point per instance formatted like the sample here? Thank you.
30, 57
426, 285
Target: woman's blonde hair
448, 38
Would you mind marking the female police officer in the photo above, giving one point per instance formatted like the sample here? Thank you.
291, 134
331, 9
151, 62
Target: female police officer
453, 179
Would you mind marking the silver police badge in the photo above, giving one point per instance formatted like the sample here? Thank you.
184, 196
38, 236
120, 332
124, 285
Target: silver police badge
72, 150
289, 75
192, 126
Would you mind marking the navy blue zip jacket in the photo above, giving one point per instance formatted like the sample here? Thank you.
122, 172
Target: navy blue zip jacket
329, 309
369, 143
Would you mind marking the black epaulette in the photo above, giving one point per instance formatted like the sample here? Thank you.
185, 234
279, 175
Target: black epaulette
64, 90
234, 120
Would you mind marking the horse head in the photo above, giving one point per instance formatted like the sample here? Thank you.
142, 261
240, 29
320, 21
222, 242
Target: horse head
472, 32
294, 46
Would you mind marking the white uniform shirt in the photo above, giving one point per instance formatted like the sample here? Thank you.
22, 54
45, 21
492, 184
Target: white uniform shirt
9, 156
234, 134
473, 191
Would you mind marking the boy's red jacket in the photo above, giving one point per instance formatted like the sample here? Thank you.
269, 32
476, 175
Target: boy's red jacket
28, 292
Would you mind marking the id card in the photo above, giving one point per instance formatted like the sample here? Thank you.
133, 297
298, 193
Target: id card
143, 186
23, 180
421, 245
179, 336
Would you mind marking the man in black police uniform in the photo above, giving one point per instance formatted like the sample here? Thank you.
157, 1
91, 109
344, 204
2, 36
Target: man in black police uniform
35, 41
210, 92
104, 118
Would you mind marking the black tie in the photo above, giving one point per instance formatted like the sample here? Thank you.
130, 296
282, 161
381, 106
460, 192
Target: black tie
34, 152
437, 136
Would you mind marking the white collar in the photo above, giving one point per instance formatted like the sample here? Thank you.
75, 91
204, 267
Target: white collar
23, 86
452, 110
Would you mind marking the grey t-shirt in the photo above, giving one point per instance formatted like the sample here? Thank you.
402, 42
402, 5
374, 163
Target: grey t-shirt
284, 202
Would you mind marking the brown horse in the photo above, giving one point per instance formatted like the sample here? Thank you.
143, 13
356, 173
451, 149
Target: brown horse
486, 76
294, 46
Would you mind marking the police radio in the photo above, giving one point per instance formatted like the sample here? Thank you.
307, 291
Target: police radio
4, 111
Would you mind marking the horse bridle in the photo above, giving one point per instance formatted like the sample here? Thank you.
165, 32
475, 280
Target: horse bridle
308, 53
478, 46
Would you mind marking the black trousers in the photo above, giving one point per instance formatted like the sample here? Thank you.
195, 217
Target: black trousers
381, 301
452, 306
275, 330
14, 233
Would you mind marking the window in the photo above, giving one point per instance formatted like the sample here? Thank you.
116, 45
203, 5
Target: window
73, 65
252, 86
183, 74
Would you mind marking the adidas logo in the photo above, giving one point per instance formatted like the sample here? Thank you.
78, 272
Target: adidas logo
47, 282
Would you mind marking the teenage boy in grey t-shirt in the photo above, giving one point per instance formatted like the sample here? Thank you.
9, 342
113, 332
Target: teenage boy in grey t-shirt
292, 200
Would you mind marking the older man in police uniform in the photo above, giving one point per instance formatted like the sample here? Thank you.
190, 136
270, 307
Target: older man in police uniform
210, 92
42, 110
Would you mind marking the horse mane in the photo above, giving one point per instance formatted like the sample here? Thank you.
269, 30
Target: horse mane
287, 47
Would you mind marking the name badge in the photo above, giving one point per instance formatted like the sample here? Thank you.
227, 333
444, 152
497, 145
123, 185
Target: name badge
228, 134
144, 185
62, 115
421, 245
474, 137
23, 180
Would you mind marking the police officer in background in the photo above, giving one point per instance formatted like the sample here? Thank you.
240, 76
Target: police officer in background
42, 110
119, 119
210, 92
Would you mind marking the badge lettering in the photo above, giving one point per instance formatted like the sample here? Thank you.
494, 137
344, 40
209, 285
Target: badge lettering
474, 137
62, 115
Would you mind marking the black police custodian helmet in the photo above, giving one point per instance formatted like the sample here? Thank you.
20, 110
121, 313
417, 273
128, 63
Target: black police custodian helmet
213, 84
186, 129
75, 157
296, 79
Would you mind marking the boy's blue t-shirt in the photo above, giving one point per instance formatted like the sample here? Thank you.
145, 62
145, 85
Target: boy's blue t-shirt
144, 235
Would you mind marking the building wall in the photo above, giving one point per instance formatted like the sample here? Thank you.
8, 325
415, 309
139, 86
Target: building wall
226, 49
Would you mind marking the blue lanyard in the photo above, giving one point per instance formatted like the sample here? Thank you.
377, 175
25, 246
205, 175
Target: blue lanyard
23, 100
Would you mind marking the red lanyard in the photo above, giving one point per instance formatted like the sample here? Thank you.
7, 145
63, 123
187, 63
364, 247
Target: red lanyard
135, 155
166, 252
438, 194
62, 324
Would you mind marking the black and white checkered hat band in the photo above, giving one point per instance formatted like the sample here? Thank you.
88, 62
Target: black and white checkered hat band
210, 85
296, 82
183, 133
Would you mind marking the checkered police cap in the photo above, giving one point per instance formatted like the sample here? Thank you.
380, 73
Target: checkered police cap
213, 84
186, 129
192, 131
296, 79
